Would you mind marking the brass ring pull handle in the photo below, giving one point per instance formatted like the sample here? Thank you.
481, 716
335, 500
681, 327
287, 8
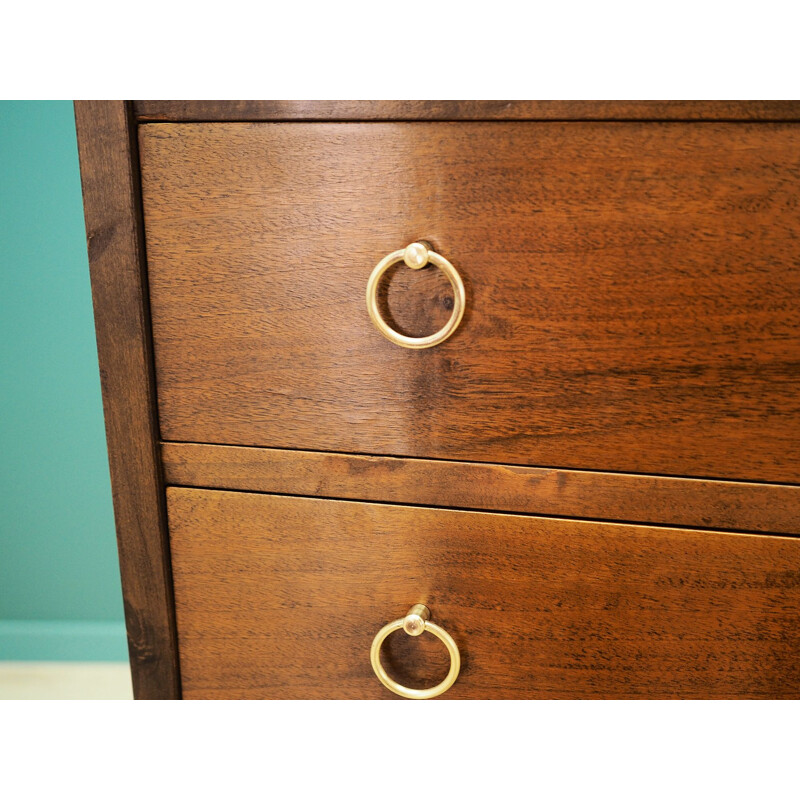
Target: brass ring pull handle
414, 623
416, 256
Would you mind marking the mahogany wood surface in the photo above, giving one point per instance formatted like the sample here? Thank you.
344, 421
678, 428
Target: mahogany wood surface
631, 291
280, 597
112, 208
278, 110
691, 502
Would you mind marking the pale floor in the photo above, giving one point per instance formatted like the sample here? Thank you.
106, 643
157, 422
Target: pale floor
64, 680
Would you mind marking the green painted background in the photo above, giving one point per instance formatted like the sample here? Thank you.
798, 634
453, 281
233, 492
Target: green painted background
60, 595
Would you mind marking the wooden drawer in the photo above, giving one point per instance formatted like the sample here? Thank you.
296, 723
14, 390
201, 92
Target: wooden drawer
281, 597
631, 291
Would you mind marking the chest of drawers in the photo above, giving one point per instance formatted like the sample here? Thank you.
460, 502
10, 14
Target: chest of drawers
585, 481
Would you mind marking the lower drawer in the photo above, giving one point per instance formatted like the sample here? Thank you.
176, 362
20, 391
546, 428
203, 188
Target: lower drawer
281, 597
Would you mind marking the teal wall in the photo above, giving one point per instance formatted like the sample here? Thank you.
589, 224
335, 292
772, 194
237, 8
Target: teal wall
60, 595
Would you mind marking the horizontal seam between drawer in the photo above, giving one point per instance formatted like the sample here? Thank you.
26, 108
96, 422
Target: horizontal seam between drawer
560, 121
632, 523
713, 479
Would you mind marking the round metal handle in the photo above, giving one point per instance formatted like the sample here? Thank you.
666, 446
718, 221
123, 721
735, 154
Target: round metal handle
416, 256
416, 622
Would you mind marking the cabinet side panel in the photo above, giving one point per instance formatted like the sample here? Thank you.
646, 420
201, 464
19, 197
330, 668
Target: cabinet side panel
116, 256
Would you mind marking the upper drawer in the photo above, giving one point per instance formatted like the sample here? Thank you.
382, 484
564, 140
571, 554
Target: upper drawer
632, 291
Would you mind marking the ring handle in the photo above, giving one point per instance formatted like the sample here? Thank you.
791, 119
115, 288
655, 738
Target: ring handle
416, 256
416, 622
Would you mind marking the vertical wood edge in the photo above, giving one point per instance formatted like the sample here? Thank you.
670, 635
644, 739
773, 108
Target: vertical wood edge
114, 231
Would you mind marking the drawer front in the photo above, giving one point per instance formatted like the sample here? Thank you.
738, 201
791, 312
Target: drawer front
281, 597
631, 291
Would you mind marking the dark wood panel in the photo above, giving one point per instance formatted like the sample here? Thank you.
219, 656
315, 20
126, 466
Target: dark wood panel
631, 291
493, 487
281, 596
114, 235
277, 110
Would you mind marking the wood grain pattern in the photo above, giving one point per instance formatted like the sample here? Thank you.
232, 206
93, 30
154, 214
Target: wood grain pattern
354, 110
632, 291
492, 487
280, 597
114, 234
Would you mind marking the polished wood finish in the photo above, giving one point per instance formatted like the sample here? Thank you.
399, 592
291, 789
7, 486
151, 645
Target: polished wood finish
632, 317
280, 597
114, 234
411, 110
495, 487
632, 291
